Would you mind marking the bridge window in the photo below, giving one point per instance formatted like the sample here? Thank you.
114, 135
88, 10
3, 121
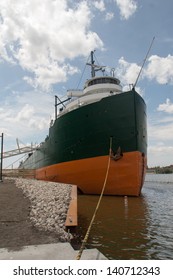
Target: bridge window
104, 80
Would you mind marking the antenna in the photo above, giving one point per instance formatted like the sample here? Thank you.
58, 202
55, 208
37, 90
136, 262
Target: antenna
94, 67
144, 62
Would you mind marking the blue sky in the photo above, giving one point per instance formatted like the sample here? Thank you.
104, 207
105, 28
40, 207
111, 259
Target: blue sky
44, 45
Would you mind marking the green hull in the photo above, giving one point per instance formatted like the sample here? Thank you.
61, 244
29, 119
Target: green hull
85, 132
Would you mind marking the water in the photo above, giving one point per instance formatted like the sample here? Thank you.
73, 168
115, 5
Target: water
133, 227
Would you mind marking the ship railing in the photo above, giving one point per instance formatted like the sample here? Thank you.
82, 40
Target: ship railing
16, 173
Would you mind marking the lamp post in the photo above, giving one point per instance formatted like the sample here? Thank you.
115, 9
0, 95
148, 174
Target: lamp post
2, 139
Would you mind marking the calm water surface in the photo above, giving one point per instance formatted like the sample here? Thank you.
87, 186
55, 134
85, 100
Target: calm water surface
133, 227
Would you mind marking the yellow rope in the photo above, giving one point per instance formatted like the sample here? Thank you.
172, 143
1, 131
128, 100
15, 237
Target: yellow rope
97, 207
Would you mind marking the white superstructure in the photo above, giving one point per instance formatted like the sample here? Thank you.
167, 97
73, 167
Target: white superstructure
94, 90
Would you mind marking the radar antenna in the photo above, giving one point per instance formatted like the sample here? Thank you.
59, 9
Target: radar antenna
95, 67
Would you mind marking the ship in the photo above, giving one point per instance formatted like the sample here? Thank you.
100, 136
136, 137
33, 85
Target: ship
77, 148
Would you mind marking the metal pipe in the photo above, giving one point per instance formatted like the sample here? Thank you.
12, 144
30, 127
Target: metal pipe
55, 107
2, 139
92, 65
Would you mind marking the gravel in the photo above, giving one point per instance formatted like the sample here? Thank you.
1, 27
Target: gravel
49, 205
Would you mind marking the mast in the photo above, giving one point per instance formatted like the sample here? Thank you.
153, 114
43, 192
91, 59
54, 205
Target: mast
92, 65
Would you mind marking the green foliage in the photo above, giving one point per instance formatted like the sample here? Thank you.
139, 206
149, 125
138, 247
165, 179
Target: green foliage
163, 170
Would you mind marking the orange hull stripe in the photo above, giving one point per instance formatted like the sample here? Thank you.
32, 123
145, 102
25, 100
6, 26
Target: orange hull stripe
125, 177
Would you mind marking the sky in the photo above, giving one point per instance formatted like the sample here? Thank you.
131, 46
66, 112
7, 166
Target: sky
44, 46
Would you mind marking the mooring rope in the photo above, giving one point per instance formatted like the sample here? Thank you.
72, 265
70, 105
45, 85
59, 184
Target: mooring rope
97, 206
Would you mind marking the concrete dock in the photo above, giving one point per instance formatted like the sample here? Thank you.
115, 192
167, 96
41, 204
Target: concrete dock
20, 240
57, 251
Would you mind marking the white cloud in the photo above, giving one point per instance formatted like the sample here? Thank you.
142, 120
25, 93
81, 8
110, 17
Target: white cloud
41, 36
127, 72
161, 131
38, 123
5, 131
127, 8
109, 16
166, 107
160, 154
26, 115
166, 120
4, 113
160, 138
50, 74
160, 69
17, 115
100, 5
160, 148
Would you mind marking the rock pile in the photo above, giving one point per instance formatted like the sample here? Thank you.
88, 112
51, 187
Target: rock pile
49, 205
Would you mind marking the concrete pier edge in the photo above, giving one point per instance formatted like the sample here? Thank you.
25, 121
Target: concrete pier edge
55, 251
